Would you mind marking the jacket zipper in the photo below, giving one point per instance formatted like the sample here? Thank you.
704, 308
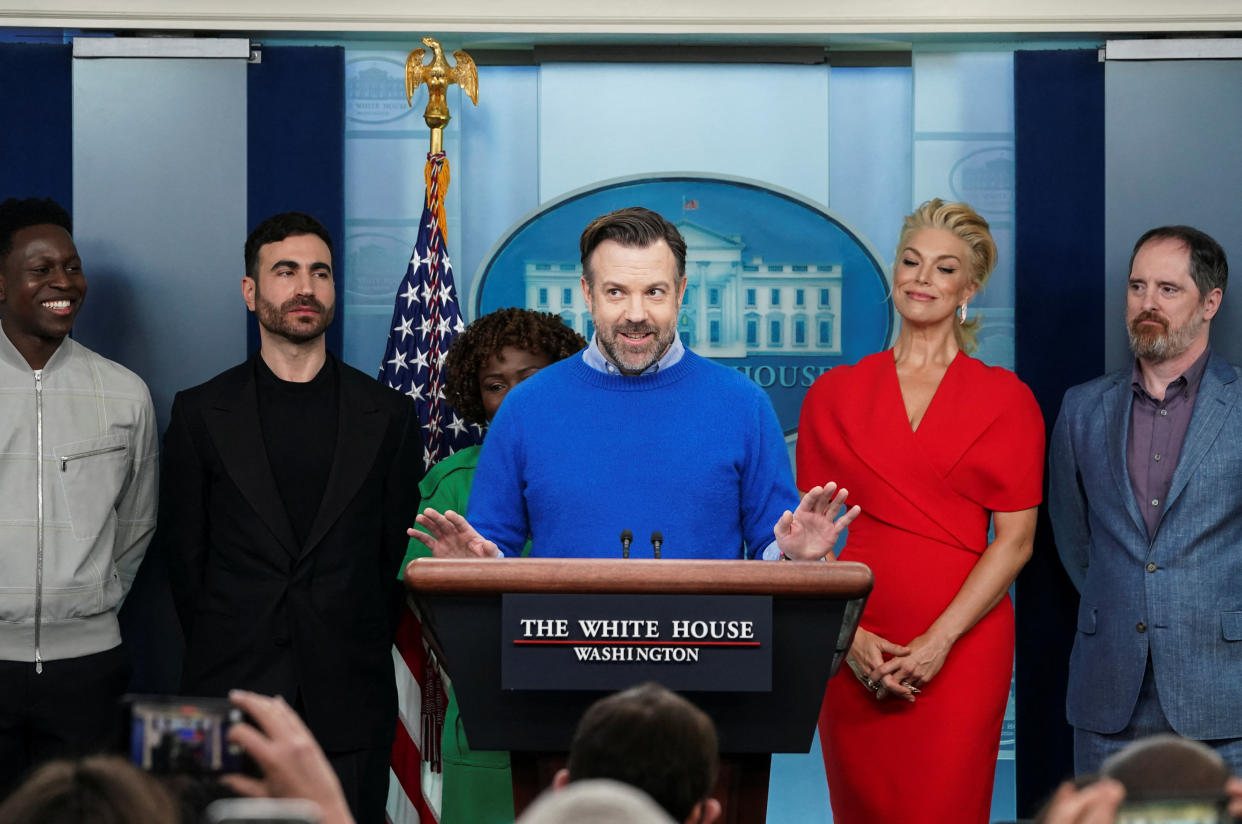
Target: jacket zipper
38, 377
64, 462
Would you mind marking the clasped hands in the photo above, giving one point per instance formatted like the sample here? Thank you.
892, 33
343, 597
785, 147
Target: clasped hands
905, 670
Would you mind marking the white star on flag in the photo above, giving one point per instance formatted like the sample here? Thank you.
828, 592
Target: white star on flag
410, 294
398, 361
446, 294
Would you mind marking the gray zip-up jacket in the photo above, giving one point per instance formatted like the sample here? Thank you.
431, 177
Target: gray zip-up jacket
78, 464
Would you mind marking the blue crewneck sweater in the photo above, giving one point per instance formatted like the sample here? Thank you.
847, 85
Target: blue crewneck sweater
575, 456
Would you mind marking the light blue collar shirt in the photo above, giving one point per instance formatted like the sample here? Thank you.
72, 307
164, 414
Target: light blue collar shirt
593, 356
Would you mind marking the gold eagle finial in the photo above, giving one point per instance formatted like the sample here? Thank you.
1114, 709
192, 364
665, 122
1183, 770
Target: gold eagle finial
439, 75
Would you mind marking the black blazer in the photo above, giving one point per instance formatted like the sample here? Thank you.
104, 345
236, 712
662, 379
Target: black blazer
313, 623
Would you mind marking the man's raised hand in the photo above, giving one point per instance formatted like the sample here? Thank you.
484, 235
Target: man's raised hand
449, 535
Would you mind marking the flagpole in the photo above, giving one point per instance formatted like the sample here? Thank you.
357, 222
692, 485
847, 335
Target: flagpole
426, 317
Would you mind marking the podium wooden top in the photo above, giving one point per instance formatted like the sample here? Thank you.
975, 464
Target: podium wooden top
802, 579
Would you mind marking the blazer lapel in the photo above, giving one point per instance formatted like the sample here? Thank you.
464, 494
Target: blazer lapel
1217, 395
234, 426
360, 431
1116, 406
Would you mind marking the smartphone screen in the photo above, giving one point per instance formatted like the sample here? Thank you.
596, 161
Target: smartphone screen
185, 736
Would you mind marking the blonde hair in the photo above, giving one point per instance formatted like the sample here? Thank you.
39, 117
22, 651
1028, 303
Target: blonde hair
969, 225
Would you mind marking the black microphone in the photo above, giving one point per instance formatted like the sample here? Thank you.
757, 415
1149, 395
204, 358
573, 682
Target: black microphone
626, 538
657, 541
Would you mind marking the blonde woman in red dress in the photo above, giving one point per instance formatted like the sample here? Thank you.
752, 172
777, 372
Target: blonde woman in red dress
936, 447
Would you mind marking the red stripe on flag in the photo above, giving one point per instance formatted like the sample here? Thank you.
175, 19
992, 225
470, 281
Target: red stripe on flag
407, 765
409, 642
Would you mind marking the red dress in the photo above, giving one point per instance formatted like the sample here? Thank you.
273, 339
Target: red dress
926, 496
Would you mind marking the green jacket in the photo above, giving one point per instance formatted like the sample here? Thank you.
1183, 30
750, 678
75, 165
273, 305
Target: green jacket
478, 788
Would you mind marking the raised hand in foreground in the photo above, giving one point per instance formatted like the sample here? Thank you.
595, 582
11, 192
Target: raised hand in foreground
292, 762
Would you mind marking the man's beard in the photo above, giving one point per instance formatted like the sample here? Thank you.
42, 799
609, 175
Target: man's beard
277, 320
627, 360
1165, 343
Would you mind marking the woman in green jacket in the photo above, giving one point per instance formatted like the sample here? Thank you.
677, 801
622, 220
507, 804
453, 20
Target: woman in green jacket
495, 353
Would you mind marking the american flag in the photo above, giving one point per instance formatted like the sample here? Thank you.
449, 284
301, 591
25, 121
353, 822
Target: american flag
425, 320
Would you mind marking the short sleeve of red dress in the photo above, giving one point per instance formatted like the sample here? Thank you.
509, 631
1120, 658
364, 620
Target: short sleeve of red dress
1004, 469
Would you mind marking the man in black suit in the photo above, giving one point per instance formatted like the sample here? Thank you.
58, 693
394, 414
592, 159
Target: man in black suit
288, 484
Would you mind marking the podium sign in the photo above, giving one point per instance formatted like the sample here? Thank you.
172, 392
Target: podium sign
815, 609
692, 643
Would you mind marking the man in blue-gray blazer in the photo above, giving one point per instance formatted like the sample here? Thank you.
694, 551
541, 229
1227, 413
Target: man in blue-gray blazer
1145, 473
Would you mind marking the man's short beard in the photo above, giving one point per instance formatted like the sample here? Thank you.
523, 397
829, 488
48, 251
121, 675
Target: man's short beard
273, 318
1158, 347
661, 340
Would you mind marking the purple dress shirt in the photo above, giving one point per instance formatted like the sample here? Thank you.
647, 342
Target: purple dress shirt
1157, 429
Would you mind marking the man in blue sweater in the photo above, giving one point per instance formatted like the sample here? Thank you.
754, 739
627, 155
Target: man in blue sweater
637, 435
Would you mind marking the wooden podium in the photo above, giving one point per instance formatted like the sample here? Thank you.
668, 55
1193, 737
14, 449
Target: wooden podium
815, 610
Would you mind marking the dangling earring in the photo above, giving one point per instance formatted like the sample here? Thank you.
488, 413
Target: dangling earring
961, 315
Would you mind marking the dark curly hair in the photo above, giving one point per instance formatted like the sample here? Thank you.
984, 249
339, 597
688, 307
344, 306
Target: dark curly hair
16, 215
523, 329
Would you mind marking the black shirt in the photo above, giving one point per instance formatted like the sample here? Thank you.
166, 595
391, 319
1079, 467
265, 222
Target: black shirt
299, 423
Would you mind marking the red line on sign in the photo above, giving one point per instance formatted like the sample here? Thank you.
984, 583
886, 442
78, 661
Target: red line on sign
618, 642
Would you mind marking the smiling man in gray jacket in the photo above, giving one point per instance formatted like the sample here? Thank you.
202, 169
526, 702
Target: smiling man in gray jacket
78, 461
